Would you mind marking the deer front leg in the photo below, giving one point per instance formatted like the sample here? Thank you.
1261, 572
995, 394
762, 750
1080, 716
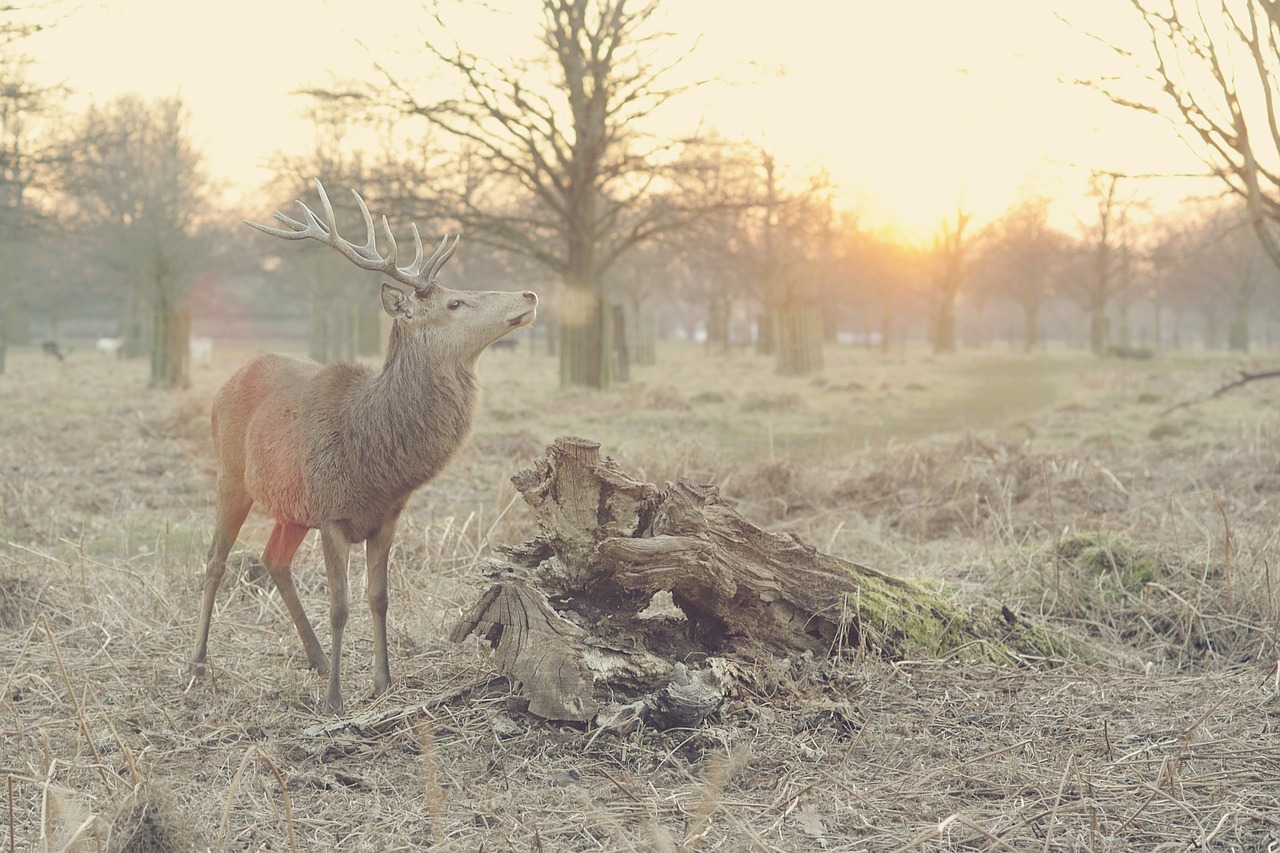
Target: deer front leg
278, 559
233, 507
337, 554
377, 553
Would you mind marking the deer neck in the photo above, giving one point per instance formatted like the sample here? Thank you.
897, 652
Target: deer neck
424, 398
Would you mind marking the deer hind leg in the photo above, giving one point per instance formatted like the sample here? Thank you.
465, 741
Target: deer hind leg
337, 555
377, 552
278, 559
232, 508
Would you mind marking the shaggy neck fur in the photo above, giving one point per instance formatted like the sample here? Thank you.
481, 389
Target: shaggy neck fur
418, 410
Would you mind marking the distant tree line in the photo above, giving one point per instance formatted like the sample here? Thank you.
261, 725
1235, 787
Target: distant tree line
549, 169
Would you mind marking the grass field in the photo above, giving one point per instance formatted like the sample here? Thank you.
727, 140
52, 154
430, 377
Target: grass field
1053, 484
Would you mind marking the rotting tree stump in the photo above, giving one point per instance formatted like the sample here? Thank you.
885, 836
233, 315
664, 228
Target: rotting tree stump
569, 613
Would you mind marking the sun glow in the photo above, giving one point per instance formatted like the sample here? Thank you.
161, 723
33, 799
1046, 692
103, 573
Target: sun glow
917, 109
912, 110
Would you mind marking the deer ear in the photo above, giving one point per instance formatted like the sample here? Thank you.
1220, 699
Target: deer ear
395, 303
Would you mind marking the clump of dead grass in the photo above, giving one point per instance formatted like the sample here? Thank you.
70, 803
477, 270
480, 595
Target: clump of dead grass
771, 492
1170, 607
147, 821
770, 402
21, 599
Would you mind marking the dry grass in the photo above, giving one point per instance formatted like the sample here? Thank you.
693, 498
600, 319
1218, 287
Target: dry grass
1050, 485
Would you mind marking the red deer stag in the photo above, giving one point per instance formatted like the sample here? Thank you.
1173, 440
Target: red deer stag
340, 448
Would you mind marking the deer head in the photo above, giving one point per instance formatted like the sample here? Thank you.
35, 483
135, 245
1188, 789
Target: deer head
460, 321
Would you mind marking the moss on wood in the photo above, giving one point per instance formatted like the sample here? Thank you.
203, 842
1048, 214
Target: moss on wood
609, 543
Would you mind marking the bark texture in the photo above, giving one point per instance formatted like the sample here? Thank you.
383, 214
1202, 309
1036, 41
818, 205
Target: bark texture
575, 614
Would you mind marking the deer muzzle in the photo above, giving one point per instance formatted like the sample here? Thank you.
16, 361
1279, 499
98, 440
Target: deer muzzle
528, 315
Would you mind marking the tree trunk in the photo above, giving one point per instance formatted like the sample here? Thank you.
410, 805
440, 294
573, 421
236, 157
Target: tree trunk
622, 351
15, 323
550, 334
134, 327
798, 336
977, 333
1238, 331
944, 326
886, 326
612, 547
318, 339
368, 329
171, 349
641, 336
8, 316
586, 352
765, 343
1157, 320
1030, 327
718, 325
1099, 330
1125, 331
343, 336
1212, 330
339, 331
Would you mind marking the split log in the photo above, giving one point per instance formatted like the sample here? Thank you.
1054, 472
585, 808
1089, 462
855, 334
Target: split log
569, 612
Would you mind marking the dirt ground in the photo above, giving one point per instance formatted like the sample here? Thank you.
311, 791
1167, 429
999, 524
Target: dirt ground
1147, 539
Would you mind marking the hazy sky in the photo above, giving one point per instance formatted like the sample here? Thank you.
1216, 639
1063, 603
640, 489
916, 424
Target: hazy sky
911, 107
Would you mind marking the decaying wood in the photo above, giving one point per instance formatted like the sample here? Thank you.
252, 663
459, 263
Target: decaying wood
538, 646
569, 612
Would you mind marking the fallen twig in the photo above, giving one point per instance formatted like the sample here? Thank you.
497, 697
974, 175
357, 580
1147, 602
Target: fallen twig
376, 720
1245, 378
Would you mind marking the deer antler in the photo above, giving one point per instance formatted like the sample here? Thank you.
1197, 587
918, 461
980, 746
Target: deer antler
420, 275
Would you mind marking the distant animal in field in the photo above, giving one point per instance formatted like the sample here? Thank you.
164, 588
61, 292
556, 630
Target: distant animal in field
110, 346
340, 448
51, 348
202, 351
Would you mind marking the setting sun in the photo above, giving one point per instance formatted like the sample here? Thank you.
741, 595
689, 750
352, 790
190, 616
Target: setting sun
912, 110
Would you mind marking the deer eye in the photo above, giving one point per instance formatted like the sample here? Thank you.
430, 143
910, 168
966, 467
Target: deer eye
455, 304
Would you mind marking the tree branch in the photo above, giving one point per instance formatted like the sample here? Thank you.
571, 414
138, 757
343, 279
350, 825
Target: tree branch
1245, 379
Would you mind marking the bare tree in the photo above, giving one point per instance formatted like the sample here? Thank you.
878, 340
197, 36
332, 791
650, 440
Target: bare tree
1022, 257
567, 136
1219, 70
21, 19
1166, 265
719, 249
138, 183
1102, 274
1233, 268
881, 272
28, 152
24, 154
796, 236
949, 255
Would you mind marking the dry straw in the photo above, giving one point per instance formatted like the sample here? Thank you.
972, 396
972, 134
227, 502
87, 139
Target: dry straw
1152, 552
